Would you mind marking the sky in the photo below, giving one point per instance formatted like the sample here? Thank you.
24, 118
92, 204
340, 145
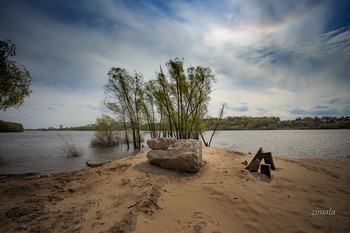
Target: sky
288, 58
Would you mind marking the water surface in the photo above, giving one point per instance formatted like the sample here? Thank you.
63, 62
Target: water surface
39, 151
320, 144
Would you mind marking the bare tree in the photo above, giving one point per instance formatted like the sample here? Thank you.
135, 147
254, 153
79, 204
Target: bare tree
69, 147
216, 125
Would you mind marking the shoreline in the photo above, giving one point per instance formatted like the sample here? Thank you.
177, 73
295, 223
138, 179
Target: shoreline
49, 174
131, 195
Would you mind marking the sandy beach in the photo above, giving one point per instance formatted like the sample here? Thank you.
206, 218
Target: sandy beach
131, 195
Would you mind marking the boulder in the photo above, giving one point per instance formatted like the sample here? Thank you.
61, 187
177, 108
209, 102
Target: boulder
160, 143
182, 155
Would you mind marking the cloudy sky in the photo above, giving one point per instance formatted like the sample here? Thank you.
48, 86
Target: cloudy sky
271, 58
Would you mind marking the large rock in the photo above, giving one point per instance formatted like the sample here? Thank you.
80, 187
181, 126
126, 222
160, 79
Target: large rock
160, 143
182, 155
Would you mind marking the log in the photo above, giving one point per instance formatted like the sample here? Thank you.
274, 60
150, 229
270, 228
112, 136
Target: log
96, 163
266, 156
266, 169
254, 165
269, 160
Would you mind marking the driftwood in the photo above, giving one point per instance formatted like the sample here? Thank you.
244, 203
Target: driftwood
254, 165
260, 155
96, 163
266, 169
269, 160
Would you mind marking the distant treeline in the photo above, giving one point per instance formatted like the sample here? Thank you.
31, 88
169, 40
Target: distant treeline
272, 123
6, 126
89, 127
249, 123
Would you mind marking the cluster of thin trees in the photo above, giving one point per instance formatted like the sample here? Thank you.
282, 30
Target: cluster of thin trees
173, 104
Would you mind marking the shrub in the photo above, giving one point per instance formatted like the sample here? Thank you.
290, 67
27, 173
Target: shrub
101, 139
116, 138
69, 148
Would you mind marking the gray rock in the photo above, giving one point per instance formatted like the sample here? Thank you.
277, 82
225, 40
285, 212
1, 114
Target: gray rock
189, 145
182, 155
160, 143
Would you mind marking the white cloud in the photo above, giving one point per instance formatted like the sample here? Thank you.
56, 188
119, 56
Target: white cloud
275, 57
50, 107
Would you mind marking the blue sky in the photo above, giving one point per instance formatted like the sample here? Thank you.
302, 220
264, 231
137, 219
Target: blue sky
271, 58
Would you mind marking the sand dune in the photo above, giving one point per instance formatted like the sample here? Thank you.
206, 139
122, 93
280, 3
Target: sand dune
130, 195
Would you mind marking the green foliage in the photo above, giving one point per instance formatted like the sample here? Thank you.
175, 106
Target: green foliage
15, 80
149, 110
106, 123
6, 126
173, 104
105, 135
124, 93
182, 98
88, 127
272, 123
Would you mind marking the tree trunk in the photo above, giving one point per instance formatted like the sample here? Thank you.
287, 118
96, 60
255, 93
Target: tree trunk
126, 133
205, 143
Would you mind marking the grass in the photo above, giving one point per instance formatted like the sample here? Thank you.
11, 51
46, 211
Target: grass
69, 148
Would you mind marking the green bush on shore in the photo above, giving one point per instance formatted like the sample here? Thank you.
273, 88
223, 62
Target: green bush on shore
6, 126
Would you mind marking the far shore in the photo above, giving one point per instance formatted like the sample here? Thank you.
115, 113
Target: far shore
147, 131
131, 195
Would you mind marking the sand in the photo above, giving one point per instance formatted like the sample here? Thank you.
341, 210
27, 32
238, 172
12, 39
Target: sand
130, 195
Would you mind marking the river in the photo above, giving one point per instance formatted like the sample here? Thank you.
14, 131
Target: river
39, 151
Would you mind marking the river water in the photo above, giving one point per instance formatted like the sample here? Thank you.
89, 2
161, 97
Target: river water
320, 144
39, 151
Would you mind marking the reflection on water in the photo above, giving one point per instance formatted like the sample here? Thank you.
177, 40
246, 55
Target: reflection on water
37, 151
103, 154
